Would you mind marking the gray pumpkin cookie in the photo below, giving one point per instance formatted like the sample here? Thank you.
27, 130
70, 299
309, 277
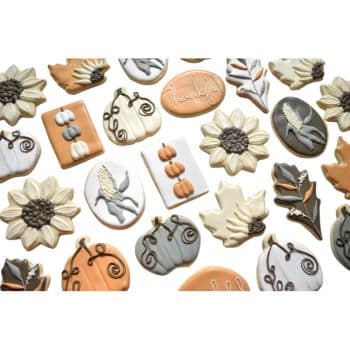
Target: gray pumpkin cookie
168, 244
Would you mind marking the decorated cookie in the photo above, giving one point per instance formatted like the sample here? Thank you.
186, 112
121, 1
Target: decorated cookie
21, 275
168, 245
335, 101
19, 153
130, 118
234, 142
72, 134
175, 172
297, 72
194, 60
97, 267
299, 127
114, 194
144, 70
287, 266
296, 192
338, 173
215, 279
250, 78
79, 74
340, 236
39, 213
20, 93
238, 219
192, 93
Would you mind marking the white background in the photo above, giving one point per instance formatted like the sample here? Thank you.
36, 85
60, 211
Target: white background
152, 314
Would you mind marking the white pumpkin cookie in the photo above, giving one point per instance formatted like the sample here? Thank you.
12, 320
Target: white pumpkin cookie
238, 219
130, 118
287, 266
114, 194
19, 153
39, 213
234, 142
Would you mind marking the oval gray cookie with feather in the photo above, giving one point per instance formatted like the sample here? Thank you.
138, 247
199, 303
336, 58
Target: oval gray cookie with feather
114, 194
169, 244
299, 127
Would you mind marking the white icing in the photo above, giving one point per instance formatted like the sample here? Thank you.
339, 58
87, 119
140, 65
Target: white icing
164, 183
79, 150
134, 73
134, 190
138, 127
64, 117
14, 162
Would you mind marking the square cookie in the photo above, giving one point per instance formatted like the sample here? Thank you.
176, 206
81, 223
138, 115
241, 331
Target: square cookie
175, 172
72, 134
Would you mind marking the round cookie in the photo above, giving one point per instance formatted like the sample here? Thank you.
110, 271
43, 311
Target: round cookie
340, 236
169, 244
114, 194
213, 279
19, 154
287, 266
192, 93
299, 127
21, 275
144, 70
97, 267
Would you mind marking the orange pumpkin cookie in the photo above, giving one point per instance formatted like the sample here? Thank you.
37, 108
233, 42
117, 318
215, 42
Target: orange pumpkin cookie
98, 267
214, 278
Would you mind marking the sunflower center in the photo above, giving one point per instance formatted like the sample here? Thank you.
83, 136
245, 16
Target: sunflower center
38, 212
317, 71
96, 75
234, 140
345, 101
256, 226
10, 90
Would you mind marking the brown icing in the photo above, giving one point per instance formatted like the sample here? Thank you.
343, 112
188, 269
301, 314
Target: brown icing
88, 134
183, 188
338, 173
63, 74
166, 152
215, 278
98, 267
192, 93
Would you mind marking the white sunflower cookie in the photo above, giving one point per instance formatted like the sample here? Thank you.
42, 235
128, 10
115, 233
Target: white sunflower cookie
335, 101
234, 142
39, 213
20, 93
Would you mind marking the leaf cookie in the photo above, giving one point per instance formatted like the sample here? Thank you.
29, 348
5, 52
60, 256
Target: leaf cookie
250, 78
295, 191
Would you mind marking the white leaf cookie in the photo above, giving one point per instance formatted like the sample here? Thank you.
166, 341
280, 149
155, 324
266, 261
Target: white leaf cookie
238, 219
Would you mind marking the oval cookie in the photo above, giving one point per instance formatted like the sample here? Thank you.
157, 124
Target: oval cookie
193, 93
144, 70
97, 267
213, 279
287, 266
299, 127
130, 118
340, 236
114, 194
19, 154
168, 244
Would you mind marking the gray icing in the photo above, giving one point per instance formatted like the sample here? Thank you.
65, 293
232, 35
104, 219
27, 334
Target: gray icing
299, 127
167, 245
71, 132
146, 64
340, 236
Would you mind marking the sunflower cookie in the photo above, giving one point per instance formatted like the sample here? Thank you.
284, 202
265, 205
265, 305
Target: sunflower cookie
20, 93
21, 275
79, 74
39, 213
335, 101
234, 142
297, 72
238, 219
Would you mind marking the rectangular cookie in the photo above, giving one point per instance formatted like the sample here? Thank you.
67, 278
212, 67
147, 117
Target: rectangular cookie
72, 134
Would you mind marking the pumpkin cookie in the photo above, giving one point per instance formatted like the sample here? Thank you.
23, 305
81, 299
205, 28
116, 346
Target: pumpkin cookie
97, 267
